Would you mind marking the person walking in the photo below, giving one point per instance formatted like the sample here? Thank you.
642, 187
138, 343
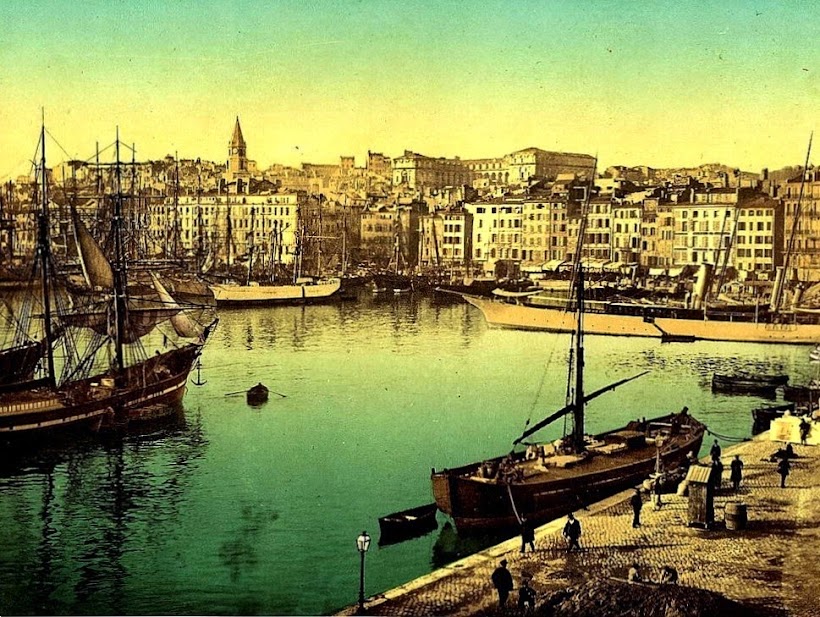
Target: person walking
736, 474
805, 429
783, 468
572, 532
657, 491
637, 503
503, 583
527, 536
714, 452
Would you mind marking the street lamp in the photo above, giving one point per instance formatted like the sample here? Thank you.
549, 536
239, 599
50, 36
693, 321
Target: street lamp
362, 543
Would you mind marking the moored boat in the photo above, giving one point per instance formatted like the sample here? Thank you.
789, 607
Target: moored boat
662, 322
763, 416
809, 394
106, 376
748, 383
303, 292
554, 478
407, 523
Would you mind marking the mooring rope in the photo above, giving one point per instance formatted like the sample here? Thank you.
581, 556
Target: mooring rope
727, 437
512, 501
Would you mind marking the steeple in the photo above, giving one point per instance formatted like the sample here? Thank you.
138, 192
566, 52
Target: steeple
237, 141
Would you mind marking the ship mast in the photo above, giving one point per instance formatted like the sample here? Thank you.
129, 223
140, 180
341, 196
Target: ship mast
578, 399
119, 266
44, 248
251, 235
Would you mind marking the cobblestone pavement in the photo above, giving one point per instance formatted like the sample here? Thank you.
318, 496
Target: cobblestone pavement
772, 564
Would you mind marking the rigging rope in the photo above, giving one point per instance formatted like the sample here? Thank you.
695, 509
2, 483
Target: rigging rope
512, 502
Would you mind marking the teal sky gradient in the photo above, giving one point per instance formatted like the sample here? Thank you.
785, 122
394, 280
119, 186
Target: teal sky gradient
656, 83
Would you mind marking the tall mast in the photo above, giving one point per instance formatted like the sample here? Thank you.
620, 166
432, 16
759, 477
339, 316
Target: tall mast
119, 266
775, 304
251, 234
44, 246
200, 249
578, 411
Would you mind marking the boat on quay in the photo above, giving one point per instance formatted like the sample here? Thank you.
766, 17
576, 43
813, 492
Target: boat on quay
106, 377
548, 480
766, 385
762, 416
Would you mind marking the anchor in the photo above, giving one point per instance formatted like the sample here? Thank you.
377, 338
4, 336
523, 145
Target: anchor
198, 381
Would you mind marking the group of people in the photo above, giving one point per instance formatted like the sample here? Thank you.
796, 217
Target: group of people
503, 583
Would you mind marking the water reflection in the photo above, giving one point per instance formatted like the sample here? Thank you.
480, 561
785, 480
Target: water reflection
73, 535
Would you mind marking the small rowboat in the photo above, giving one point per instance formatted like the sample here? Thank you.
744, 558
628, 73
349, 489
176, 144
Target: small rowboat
748, 384
407, 524
257, 395
762, 416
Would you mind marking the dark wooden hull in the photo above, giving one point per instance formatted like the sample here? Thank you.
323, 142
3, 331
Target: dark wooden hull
145, 392
392, 282
748, 384
407, 524
762, 416
17, 364
476, 504
802, 394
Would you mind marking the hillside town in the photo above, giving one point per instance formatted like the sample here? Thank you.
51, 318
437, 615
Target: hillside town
519, 213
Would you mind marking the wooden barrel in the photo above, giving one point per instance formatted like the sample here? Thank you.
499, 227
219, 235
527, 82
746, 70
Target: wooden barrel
735, 516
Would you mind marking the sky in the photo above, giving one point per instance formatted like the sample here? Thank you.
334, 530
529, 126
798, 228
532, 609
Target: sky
638, 83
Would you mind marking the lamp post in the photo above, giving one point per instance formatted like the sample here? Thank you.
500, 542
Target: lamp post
362, 543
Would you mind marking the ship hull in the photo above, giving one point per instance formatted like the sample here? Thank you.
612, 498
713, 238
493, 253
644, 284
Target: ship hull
275, 294
476, 504
521, 317
99, 402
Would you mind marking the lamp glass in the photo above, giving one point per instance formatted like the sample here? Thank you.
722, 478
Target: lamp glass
363, 542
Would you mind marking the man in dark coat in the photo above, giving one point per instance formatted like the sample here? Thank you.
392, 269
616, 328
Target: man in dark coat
502, 581
526, 596
527, 536
572, 532
736, 474
715, 451
637, 503
783, 468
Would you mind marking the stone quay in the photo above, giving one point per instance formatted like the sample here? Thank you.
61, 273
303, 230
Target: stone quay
770, 565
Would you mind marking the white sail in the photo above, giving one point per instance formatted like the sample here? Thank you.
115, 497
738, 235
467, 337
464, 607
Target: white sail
96, 268
183, 324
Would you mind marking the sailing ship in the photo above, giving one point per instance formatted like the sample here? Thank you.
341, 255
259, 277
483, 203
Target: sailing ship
105, 375
302, 290
550, 479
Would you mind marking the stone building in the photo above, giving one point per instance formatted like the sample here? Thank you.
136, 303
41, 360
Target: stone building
801, 226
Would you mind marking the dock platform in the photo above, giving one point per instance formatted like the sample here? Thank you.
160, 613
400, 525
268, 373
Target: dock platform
772, 564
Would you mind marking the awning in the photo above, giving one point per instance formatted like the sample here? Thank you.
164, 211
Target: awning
673, 272
657, 271
593, 265
553, 264
533, 266
613, 266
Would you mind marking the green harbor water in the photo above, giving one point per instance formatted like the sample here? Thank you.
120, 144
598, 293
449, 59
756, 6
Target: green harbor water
236, 510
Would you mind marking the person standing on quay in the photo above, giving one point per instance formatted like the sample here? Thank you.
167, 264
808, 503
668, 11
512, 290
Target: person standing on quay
637, 503
502, 581
737, 471
657, 491
527, 536
572, 532
715, 451
783, 468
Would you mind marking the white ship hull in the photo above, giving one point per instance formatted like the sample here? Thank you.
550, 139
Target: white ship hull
275, 294
520, 317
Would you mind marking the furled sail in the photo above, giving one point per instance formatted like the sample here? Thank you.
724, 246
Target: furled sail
183, 324
139, 321
96, 269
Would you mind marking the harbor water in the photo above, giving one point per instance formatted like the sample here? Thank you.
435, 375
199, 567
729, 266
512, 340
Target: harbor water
240, 510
